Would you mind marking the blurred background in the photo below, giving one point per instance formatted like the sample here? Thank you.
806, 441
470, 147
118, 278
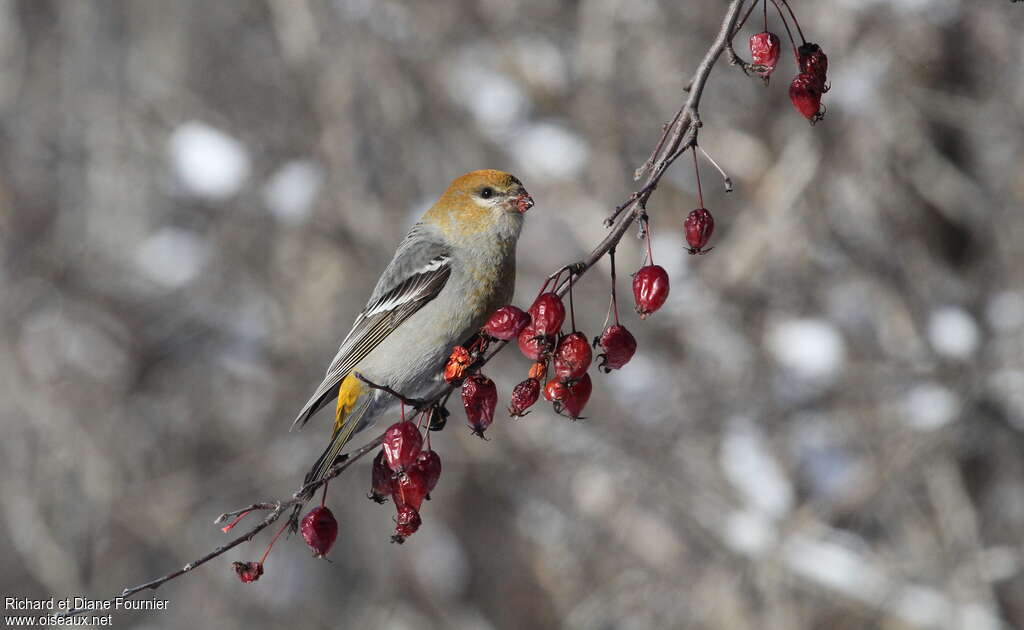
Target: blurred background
824, 427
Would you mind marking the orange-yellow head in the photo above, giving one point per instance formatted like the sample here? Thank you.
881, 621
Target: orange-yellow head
480, 201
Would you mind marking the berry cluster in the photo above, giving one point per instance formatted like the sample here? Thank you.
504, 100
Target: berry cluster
811, 82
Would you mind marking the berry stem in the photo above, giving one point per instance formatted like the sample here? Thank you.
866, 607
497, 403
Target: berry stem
227, 528
726, 180
764, 5
323, 497
272, 541
615, 300
782, 15
572, 307
795, 21
647, 235
700, 192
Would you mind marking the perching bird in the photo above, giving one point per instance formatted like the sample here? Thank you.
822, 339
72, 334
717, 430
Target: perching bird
454, 268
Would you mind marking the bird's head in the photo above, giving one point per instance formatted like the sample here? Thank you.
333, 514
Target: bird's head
481, 200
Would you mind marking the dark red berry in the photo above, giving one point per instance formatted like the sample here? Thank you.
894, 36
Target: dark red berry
547, 314
479, 397
698, 226
319, 529
555, 390
533, 346
576, 396
411, 488
524, 396
813, 61
380, 478
429, 463
572, 356
618, 345
402, 443
765, 49
248, 571
406, 523
805, 94
650, 289
506, 323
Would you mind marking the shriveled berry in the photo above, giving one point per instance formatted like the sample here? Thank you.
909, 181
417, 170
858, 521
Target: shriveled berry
429, 463
539, 370
406, 523
479, 398
765, 49
618, 345
402, 443
506, 323
547, 314
380, 478
576, 396
534, 346
524, 395
650, 289
697, 227
555, 390
411, 488
813, 61
572, 356
248, 571
805, 94
319, 529
459, 360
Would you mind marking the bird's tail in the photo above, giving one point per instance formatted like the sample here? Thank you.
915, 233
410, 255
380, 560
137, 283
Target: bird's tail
354, 400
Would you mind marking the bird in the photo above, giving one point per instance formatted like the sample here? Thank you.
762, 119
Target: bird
455, 267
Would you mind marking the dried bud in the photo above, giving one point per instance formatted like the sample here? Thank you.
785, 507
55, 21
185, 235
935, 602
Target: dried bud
248, 571
533, 346
457, 364
319, 529
411, 489
402, 443
524, 396
547, 314
805, 94
572, 356
697, 227
765, 49
380, 479
506, 323
813, 61
429, 463
479, 397
650, 289
576, 396
538, 370
555, 390
618, 345
406, 523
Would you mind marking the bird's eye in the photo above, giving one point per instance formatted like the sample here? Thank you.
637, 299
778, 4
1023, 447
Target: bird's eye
487, 193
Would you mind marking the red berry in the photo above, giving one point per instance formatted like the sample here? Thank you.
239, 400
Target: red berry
698, 226
248, 571
406, 523
532, 345
319, 529
765, 49
572, 356
576, 396
813, 61
459, 360
805, 94
479, 397
618, 345
506, 323
411, 488
402, 443
650, 289
555, 390
380, 479
429, 463
547, 314
524, 396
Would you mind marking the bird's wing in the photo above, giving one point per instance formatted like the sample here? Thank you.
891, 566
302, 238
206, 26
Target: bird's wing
415, 276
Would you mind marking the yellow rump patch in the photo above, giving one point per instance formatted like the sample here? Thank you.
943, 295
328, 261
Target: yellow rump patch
351, 388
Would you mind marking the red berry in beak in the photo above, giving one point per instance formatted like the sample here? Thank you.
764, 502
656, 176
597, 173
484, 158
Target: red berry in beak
524, 395
479, 398
506, 323
458, 361
618, 345
319, 529
547, 314
402, 443
813, 61
650, 289
698, 226
248, 571
406, 523
555, 390
429, 463
380, 479
576, 396
805, 94
572, 356
523, 202
765, 49
533, 346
